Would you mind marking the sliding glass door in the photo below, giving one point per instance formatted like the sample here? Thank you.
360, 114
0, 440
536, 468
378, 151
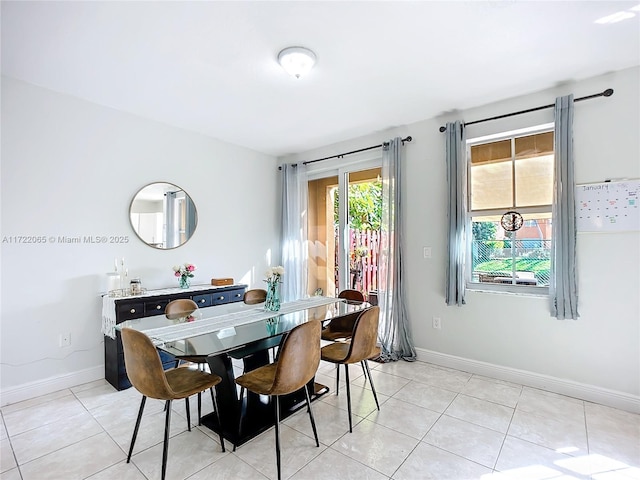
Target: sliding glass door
344, 230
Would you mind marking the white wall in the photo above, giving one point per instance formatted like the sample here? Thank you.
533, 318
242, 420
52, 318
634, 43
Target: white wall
71, 168
602, 348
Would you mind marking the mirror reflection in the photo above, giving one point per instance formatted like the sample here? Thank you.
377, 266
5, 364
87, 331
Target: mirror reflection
163, 215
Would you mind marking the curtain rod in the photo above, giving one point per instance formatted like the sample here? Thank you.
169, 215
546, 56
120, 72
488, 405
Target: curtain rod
607, 93
340, 155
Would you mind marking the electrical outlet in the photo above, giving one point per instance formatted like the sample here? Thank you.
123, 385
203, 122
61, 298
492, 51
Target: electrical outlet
426, 252
64, 340
436, 323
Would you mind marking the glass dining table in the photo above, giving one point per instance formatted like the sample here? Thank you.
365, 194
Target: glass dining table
217, 336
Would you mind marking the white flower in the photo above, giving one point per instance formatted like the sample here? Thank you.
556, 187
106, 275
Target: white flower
273, 274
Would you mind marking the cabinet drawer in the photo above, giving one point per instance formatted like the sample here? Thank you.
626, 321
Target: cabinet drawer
203, 300
236, 295
228, 296
220, 297
154, 308
128, 311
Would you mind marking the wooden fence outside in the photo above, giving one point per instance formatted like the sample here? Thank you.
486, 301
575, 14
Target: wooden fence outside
364, 250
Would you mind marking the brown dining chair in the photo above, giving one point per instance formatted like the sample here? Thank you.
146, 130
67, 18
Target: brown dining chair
350, 294
341, 329
255, 296
183, 307
297, 363
361, 348
146, 374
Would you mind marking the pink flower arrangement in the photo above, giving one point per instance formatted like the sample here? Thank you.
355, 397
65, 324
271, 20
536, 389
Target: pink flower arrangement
185, 271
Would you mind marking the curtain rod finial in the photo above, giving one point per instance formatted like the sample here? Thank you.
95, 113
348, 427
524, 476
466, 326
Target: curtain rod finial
443, 129
608, 92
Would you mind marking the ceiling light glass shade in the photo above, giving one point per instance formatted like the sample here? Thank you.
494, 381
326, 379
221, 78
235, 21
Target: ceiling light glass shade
297, 61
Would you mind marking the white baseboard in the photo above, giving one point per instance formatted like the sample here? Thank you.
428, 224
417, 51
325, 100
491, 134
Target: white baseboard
30, 390
591, 393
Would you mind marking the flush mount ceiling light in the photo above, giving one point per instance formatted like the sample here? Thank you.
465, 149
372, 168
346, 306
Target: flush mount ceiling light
297, 61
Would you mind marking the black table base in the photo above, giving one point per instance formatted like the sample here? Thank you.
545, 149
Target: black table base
257, 411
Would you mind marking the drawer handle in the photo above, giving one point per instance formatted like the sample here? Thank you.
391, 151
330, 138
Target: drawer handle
133, 310
220, 298
238, 295
158, 307
202, 300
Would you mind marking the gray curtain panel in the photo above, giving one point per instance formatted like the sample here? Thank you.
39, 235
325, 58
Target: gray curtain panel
456, 212
294, 232
563, 285
394, 328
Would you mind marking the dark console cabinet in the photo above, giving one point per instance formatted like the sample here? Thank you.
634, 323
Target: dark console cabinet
150, 304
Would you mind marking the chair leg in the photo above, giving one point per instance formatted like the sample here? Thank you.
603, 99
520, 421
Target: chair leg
337, 376
277, 404
165, 447
346, 374
373, 389
215, 407
241, 415
186, 401
313, 422
135, 430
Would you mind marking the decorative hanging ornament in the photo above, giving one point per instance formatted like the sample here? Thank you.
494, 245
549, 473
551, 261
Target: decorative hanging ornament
511, 221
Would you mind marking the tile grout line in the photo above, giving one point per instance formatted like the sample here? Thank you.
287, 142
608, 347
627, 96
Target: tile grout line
506, 434
13, 453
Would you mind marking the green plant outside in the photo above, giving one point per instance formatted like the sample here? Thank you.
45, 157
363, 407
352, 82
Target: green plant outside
538, 266
365, 205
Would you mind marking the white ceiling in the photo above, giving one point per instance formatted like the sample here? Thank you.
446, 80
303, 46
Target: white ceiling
211, 66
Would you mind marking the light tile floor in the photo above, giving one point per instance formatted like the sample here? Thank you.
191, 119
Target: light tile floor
434, 423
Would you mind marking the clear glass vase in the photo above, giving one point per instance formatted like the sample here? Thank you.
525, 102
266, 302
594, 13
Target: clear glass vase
272, 302
184, 281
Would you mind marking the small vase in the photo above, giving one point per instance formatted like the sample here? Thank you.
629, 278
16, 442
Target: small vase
272, 302
184, 282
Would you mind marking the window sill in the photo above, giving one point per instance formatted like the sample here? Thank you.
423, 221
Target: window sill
521, 290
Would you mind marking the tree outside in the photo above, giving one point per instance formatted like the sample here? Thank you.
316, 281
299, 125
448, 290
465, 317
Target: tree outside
365, 205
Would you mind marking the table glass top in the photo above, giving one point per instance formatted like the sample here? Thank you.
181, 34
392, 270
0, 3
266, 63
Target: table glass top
233, 328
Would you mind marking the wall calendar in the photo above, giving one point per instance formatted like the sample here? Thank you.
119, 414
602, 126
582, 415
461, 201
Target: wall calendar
608, 206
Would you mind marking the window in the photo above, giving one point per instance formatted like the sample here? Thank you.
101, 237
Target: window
510, 172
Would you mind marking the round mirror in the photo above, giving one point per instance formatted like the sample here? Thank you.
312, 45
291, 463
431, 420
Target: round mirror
163, 215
